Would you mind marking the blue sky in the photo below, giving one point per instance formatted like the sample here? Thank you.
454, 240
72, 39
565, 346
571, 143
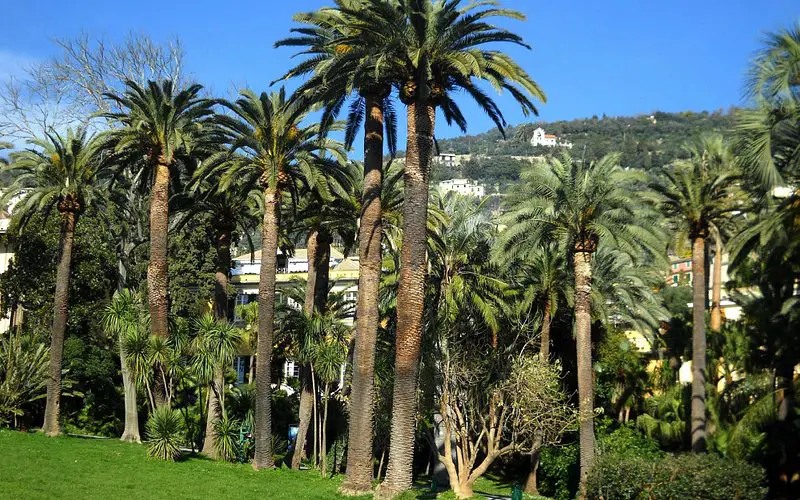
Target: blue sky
615, 57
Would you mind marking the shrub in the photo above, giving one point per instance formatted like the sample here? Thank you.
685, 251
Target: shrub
226, 431
164, 433
711, 477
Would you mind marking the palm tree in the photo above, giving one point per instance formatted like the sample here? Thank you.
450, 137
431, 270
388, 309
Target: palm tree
576, 205
343, 67
768, 134
214, 348
321, 220
249, 315
276, 156
159, 126
542, 279
120, 316
61, 172
696, 194
434, 50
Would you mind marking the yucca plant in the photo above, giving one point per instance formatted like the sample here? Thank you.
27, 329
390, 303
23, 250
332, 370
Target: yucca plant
164, 431
226, 442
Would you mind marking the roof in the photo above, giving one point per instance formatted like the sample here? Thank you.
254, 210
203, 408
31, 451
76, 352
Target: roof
550, 136
348, 264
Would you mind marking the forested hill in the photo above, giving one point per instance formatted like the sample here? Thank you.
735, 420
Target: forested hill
645, 141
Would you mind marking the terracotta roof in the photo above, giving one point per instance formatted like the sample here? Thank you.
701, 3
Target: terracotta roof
550, 136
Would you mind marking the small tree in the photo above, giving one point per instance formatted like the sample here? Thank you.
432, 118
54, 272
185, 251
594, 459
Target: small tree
524, 408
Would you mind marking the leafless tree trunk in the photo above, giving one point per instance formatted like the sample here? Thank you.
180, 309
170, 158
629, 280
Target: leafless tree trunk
699, 299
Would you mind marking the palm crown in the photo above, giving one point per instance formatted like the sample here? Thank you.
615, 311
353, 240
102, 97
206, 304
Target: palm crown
343, 66
161, 124
575, 204
701, 191
58, 171
274, 150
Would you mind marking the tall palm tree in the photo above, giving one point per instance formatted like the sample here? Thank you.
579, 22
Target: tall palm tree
696, 194
435, 49
271, 152
156, 130
62, 172
542, 280
577, 204
321, 220
342, 67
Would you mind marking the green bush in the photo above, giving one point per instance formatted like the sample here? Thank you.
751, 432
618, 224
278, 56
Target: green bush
226, 430
616, 476
164, 433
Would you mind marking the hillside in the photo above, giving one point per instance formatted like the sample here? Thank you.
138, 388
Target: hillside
645, 141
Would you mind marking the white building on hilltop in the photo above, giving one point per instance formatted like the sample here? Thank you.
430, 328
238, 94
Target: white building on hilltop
463, 187
540, 138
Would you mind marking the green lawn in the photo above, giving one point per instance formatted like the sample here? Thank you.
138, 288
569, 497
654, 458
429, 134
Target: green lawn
35, 466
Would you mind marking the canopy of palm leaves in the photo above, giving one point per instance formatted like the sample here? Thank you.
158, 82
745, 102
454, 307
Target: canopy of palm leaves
64, 172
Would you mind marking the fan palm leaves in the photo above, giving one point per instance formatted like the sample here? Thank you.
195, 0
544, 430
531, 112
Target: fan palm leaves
65, 173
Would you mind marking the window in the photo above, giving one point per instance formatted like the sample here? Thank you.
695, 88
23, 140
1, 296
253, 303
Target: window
675, 266
240, 365
675, 279
291, 369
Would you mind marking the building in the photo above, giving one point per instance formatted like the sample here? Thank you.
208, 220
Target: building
540, 138
463, 187
447, 160
245, 275
680, 274
6, 254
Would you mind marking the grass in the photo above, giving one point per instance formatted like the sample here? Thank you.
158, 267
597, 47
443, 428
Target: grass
35, 466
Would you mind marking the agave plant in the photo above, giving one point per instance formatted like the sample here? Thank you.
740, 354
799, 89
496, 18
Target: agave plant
164, 432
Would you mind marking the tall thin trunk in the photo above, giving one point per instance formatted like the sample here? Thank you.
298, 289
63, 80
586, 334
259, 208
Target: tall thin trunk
52, 410
324, 432
716, 287
544, 349
318, 248
266, 312
316, 417
217, 390
531, 483
362, 395
251, 370
410, 296
583, 338
699, 299
157, 278
131, 431
215, 394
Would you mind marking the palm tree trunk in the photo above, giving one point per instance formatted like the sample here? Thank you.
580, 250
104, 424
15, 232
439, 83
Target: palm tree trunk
217, 390
544, 351
410, 296
223, 267
583, 338
362, 395
157, 278
699, 299
318, 248
266, 311
324, 433
52, 410
215, 394
252, 370
131, 431
716, 287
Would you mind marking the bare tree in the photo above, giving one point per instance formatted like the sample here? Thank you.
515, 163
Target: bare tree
68, 89
487, 411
